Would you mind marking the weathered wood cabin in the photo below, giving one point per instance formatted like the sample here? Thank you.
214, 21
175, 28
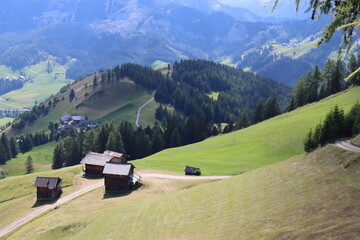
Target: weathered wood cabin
117, 157
119, 177
94, 163
192, 171
48, 188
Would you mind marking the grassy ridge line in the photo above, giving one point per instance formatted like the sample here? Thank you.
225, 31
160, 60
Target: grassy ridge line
313, 196
262, 144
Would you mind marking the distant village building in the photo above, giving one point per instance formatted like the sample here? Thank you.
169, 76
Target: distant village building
94, 163
48, 188
192, 171
119, 177
65, 118
77, 121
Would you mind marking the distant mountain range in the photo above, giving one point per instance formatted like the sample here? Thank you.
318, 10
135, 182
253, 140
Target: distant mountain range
88, 35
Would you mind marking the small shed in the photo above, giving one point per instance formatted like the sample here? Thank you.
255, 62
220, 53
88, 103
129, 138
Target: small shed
93, 163
117, 157
48, 188
192, 171
119, 177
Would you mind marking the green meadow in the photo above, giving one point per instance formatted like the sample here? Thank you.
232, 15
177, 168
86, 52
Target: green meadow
262, 144
42, 157
43, 86
311, 196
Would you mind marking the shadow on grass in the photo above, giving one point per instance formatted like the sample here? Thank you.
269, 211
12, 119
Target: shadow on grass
122, 194
40, 203
92, 176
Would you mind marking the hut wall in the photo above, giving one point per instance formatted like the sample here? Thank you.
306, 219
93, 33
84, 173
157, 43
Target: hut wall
93, 169
116, 183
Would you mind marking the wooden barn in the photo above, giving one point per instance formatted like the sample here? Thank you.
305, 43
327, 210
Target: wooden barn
192, 171
117, 157
93, 163
119, 177
48, 188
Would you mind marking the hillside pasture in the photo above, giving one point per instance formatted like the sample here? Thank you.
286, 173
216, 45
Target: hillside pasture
313, 196
42, 157
262, 144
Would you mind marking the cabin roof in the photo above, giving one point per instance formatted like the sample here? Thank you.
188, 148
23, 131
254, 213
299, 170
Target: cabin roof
122, 169
97, 159
47, 182
113, 154
191, 169
78, 118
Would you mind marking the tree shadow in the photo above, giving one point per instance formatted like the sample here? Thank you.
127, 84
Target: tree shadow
122, 194
92, 176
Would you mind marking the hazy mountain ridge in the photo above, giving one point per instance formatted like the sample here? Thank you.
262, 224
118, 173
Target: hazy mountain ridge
102, 34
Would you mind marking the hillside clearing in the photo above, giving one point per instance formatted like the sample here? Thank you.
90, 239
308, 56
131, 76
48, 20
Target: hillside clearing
42, 157
262, 144
313, 196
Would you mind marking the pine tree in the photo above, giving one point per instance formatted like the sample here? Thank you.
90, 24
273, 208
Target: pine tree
175, 139
308, 142
6, 144
29, 168
271, 108
243, 121
58, 159
71, 95
115, 142
14, 146
353, 65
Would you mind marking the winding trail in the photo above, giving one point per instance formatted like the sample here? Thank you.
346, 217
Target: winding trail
346, 144
139, 110
27, 218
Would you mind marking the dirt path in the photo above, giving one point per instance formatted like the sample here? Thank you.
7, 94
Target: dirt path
153, 175
346, 144
139, 110
84, 190
47, 207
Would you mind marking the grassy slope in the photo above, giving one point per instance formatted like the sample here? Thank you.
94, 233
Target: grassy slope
44, 85
306, 197
5, 120
41, 156
262, 144
120, 101
356, 141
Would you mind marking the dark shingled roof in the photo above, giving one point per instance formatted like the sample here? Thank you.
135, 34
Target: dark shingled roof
47, 182
122, 169
97, 159
193, 170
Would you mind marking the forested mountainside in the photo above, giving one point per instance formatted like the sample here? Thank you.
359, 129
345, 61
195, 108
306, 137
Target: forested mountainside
88, 37
189, 86
192, 82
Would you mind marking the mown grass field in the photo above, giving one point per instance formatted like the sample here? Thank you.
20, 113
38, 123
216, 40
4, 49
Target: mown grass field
41, 156
109, 102
313, 196
5, 120
43, 86
262, 144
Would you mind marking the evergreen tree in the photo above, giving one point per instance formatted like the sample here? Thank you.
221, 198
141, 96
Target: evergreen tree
88, 142
175, 139
95, 81
6, 144
58, 159
258, 112
271, 108
2, 154
14, 146
115, 142
243, 121
71, 95
29, 168
353, 65
157, 139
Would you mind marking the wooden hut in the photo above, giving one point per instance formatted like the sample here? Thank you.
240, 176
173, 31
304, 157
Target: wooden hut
119, 177
48, 188
117, 157
93, 163
192, 171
